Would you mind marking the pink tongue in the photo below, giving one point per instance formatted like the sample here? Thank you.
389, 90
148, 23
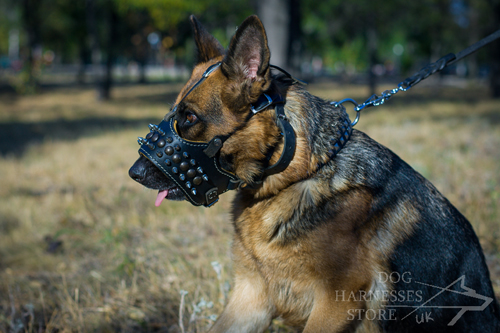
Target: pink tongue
160, 197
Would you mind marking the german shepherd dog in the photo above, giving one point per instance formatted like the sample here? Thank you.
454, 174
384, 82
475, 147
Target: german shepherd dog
346, 237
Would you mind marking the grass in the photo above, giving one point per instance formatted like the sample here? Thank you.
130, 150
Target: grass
83, 249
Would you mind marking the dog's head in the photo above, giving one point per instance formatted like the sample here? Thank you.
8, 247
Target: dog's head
215, 103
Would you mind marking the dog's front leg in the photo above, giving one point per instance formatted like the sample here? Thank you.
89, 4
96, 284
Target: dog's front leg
331, 316
248, 309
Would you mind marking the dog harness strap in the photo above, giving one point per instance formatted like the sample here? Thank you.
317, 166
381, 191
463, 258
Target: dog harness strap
286, 130
289, 142
288, 75
206, 74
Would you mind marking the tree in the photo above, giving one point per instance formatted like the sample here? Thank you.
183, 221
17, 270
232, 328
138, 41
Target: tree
282, 19
64, 31
347, 34
484, 18
31, 21
495, 53
360, 33
275, 15
111, 21
295, 43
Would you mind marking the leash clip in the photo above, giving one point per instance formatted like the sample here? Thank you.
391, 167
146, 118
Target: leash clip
357, 108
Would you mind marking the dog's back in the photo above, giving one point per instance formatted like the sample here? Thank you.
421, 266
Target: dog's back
436, 265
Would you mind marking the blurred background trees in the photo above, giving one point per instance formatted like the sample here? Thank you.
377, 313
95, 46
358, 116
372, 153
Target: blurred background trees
101, 41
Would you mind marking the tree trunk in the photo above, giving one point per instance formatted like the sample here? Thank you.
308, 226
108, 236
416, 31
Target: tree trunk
142, 71
294, 54
275, 15
495, 56
31, 21
495, 72
85, 60
107, 80
372, 59
93, 41
474, 36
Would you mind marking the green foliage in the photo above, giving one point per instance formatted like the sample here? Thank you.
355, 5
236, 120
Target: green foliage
9, 19
166, 14
63, 27
339, 31
351, 34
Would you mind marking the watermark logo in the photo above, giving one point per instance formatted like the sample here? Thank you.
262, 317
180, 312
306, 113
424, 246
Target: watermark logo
463, 309
396, 297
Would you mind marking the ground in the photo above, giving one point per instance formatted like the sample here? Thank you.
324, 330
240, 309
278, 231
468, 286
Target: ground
82, 247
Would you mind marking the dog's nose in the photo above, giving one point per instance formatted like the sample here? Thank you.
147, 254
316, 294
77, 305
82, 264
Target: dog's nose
137, 172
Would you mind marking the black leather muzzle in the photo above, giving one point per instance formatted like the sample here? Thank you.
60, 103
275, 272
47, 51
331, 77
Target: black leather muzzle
191, 165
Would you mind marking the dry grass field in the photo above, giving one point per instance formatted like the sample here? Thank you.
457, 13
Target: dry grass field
83, 249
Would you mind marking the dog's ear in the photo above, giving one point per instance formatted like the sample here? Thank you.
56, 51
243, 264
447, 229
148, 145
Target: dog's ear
247, 59
208, 46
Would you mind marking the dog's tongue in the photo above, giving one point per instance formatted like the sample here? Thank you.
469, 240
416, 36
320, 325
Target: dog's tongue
160, 197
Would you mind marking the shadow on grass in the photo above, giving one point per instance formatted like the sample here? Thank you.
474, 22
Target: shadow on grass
16, 137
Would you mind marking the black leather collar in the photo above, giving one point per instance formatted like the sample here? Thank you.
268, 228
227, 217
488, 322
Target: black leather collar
286, 130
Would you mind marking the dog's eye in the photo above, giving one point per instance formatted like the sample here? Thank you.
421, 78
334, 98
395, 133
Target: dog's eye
190, 118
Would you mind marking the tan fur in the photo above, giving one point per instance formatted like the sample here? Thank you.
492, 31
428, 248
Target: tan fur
297, 280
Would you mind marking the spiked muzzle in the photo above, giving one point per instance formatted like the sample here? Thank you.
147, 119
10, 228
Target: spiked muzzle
192, 166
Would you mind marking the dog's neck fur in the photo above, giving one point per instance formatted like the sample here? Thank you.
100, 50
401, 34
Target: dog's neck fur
316, 124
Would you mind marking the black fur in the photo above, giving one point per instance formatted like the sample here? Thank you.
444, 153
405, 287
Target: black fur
442, 248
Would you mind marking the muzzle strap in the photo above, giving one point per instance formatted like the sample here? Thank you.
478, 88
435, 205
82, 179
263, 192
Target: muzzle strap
199, 176
205, 75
